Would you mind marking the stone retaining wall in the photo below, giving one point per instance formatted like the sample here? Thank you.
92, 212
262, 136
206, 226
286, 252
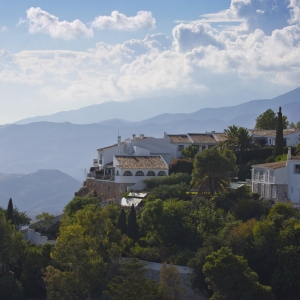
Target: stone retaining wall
106, 189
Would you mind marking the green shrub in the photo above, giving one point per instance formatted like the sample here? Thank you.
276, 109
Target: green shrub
173, 179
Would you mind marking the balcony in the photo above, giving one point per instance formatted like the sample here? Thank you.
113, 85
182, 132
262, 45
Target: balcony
95, 161
262, 178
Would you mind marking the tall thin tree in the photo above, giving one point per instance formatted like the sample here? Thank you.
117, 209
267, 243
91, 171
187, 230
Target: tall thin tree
122, 222
10, 211
132, 229
279, 135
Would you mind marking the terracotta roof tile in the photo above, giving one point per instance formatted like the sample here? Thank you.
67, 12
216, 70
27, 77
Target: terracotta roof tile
202, 138
271, 133
140, 162
273, 165
220, 137
179, 138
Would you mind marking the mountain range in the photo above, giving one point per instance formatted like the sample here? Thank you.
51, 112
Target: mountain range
44, 190
70, 147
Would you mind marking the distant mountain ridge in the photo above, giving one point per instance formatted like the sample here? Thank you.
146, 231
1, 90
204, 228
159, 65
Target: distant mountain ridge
44, 190
71, 148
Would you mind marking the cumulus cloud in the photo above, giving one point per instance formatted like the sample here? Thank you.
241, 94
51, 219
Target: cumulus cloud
119, 21
197, 58
40, 21
190, 36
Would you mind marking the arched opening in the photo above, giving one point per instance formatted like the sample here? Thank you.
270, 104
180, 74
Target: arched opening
161, 173
150, 173
139, 173
127, 173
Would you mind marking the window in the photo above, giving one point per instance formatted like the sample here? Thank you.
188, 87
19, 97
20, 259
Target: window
150, 173
274, 191
127, 173
297, 169
203, 148
180, 147
262, 191
255, 187
161, 173
117, 174
267, 191
139, 173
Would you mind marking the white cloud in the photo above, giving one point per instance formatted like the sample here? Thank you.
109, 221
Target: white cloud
190, 36
3, 29
199, 58
119, 21
40, 21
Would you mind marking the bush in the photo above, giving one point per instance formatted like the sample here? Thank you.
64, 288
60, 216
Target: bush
173, 179
181, 166
164, 192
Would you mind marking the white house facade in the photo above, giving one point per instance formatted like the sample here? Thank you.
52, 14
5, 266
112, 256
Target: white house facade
279, 181
267, 137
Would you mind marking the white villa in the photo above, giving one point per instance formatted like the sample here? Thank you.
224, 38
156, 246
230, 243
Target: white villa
278, 180
267, 137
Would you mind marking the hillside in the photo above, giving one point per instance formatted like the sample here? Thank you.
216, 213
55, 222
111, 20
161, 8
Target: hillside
44, 190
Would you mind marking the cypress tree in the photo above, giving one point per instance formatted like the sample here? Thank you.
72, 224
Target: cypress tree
122, 222
279, 135
132, 230
9, 211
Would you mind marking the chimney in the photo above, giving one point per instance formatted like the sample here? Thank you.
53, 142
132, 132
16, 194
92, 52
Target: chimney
133, 136
289, 156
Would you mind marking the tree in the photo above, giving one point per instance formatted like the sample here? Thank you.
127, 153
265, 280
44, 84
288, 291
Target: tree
78, 203
122, 222
230, 278
295, 126
10, 288
10, 211
190, 152
132, 284
11, 244
132, 229
45, 220
86, 246
213, 169
238, 138
181, 166
268, 121
279, 144
171, 282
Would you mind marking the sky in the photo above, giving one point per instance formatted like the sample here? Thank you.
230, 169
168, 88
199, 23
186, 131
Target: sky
63, 55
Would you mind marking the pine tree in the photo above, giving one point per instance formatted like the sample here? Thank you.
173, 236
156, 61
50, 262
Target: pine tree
10, 210
279, 135
132, 229
122, 222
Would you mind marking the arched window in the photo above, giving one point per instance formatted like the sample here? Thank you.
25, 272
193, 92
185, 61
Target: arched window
161, 173
139, 173
150, 173
127, 173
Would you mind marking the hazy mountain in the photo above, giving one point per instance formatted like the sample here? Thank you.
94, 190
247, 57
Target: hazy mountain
71, 148
44, 190
134, 110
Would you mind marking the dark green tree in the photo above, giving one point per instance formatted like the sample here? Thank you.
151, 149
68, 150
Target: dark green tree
213, 169
132, 284
268, 121
279, 135
132, 229
122, 222
190, 151
230, 278
10, 211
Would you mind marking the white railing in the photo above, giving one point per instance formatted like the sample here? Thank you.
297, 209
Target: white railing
272, 179
261, 177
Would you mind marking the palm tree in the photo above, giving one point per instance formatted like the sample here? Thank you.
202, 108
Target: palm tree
239, 138
213, 169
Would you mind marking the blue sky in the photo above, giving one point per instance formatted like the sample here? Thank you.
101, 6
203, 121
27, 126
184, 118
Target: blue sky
62, 55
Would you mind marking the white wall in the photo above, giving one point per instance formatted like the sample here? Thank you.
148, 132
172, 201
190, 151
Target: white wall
292, 139
294, 181
37, 238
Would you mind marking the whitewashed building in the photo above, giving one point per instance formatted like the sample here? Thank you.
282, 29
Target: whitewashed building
267, 137
278, 180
